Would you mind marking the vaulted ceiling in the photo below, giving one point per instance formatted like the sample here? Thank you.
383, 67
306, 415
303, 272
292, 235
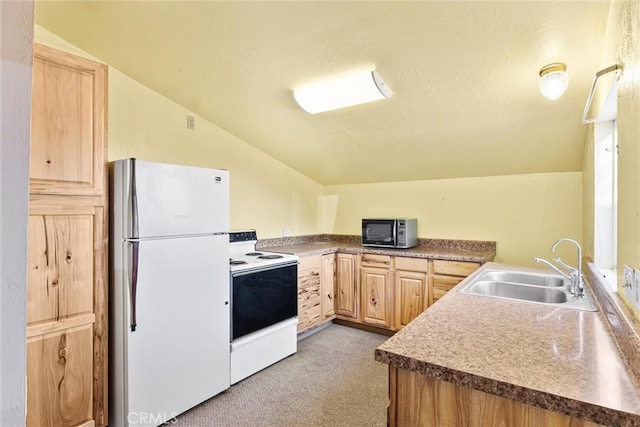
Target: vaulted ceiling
463, 75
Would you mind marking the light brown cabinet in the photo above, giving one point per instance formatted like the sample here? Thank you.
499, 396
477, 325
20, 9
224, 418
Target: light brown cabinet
309, 292
411, 289
447, 274
417, 399
68, 124
67, 320
375, 287
328, 279
346, 286
315, 291
387, 291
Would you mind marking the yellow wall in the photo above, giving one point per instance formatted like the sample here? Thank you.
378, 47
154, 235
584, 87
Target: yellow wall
265, 194
524, 214
622, 45
625, 38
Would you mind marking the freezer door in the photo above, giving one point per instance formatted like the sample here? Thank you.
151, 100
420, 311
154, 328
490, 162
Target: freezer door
178, 356
171, 200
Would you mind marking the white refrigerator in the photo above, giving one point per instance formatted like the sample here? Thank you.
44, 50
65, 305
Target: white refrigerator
169, 290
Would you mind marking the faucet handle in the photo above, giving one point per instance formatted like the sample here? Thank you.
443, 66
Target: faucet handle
568, 267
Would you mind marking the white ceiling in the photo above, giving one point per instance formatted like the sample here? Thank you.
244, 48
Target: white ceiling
464, 77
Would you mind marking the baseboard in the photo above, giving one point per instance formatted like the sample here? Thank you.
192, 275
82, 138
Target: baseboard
367, 328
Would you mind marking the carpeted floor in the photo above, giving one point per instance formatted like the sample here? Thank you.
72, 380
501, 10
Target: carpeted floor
331, 381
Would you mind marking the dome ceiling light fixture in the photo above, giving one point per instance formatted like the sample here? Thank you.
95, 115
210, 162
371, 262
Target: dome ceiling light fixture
554, 80
345, 91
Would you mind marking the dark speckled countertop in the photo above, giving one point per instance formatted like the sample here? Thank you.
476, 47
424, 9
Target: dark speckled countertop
451, 250
555, 358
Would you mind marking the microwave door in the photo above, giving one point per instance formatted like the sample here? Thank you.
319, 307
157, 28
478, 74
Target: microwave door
380, 232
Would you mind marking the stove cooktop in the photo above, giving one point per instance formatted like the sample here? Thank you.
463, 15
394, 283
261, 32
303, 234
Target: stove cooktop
244, 255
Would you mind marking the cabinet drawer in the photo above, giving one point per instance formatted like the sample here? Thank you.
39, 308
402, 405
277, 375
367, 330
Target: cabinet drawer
306, 262
412, 264
310, 277
454, 268
373, 260
309, 306
445, 283
437, 294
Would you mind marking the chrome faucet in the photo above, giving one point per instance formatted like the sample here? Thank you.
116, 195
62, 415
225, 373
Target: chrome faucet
552, 266
575, 276
577, 284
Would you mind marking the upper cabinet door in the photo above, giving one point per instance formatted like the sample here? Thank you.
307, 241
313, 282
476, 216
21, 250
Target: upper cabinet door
68, 124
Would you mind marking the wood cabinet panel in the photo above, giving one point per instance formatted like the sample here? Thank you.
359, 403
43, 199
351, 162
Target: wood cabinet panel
375, 287
328, 278
410, 296
412, 264
61, 266
440, 285
309, 276
309, 294
60, 385
68, 124
309, 306
67, 304
375, 260
346, 286
454, 268
309, 262
447, 274
421, 400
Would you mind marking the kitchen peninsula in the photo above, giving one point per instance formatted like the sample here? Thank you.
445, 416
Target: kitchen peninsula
475, 360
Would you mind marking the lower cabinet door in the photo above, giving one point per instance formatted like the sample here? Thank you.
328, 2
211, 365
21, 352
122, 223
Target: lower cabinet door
60, 378
374, 285
410, 296
346, 286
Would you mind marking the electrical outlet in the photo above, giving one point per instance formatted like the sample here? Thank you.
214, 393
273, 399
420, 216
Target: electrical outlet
629, 276
191, 122
636, 289
287, 233
630, 283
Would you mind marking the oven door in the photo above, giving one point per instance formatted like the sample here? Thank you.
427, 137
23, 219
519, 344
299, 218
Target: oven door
379, 232
263, 297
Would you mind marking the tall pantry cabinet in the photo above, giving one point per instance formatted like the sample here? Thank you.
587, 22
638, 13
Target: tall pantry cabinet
67, 341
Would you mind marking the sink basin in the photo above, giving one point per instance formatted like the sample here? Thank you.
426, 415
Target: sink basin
531, 287
535, 279
521, 292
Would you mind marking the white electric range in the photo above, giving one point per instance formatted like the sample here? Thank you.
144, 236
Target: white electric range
264, 307
244, 255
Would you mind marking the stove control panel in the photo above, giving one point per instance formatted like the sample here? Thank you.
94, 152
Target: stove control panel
243, 236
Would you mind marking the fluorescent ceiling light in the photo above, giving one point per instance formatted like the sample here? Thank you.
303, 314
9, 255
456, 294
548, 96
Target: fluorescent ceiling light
354, 89
554, 80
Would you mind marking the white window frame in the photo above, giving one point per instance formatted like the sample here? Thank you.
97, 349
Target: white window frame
606, 190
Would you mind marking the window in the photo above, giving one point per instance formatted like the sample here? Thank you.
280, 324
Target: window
606, 200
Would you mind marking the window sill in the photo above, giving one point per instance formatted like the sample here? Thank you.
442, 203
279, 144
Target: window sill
611, 278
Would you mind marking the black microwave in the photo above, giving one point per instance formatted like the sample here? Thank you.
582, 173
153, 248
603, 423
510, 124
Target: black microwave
390, 233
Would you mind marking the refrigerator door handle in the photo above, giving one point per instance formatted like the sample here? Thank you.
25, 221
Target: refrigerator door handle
133, 284
133, 199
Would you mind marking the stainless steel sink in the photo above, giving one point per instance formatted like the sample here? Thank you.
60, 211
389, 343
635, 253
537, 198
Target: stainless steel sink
536, 279
531, 287
523, 292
